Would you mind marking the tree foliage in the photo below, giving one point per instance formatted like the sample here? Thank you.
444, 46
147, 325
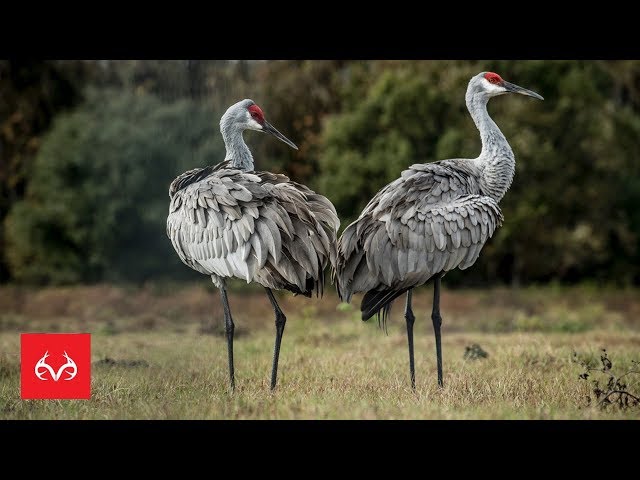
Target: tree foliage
94, 202
97, 201
569, 214
31, 94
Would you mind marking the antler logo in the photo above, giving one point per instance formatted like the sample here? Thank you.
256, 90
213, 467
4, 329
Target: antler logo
42, 367
55, 375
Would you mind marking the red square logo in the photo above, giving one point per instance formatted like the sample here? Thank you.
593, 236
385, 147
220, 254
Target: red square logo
55, 366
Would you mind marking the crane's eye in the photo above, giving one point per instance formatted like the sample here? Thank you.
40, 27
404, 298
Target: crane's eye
493, 78
256, 113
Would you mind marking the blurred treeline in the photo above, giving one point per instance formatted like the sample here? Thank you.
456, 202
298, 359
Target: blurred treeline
88, 149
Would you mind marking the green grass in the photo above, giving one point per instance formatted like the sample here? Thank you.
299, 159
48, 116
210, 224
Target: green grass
332, 365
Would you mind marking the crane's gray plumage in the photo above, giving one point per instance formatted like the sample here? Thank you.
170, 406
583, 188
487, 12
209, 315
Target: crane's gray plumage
230, 221
434, 218
257, 226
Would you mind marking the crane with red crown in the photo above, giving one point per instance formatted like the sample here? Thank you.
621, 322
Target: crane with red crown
434, 218
229, 221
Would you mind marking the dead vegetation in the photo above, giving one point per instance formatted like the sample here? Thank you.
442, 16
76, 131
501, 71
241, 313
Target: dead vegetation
611, 387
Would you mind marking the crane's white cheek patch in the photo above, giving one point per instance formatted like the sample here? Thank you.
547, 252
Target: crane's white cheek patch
254, 125
490, 87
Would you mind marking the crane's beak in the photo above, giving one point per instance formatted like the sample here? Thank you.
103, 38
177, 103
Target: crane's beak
522, 91
267, 127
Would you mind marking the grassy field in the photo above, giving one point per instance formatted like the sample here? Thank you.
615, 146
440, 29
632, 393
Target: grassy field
160, 353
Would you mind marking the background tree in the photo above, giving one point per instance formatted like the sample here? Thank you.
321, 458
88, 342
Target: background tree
97, 201
92, 206
31, 94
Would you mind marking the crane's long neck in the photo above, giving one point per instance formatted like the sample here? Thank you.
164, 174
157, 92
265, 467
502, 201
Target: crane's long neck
237, 150
496, 161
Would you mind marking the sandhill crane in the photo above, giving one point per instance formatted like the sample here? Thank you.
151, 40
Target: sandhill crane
228, 221
434, 218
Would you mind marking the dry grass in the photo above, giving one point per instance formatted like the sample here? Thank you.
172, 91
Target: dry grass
332, 365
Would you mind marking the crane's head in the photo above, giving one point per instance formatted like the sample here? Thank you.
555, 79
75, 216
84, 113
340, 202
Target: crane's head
489, 84
246, 115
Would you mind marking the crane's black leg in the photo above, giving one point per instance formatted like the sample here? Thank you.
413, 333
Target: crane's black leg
229, 328
408, 316
437, 322
281, 320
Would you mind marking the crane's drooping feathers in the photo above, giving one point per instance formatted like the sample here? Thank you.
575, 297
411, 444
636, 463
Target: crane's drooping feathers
434, 218
257, 226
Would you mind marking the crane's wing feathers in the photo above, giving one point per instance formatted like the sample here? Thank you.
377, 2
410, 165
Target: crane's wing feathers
432, 219
257, 226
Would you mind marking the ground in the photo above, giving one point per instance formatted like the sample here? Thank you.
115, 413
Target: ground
159, 352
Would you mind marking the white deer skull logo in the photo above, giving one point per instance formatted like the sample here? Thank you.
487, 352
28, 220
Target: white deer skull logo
42, 364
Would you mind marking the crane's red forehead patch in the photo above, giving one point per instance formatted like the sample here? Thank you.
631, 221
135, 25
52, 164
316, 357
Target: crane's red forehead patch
256, 113
493, 77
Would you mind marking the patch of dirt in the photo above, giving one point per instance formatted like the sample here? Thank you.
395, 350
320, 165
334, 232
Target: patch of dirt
110, 362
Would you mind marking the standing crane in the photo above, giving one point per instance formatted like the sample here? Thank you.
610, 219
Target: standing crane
229, 221
434, 218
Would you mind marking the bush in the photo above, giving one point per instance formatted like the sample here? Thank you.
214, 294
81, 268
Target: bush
97, 202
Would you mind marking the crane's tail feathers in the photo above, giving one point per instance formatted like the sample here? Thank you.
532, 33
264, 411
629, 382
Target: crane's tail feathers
383, 315
379, 301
